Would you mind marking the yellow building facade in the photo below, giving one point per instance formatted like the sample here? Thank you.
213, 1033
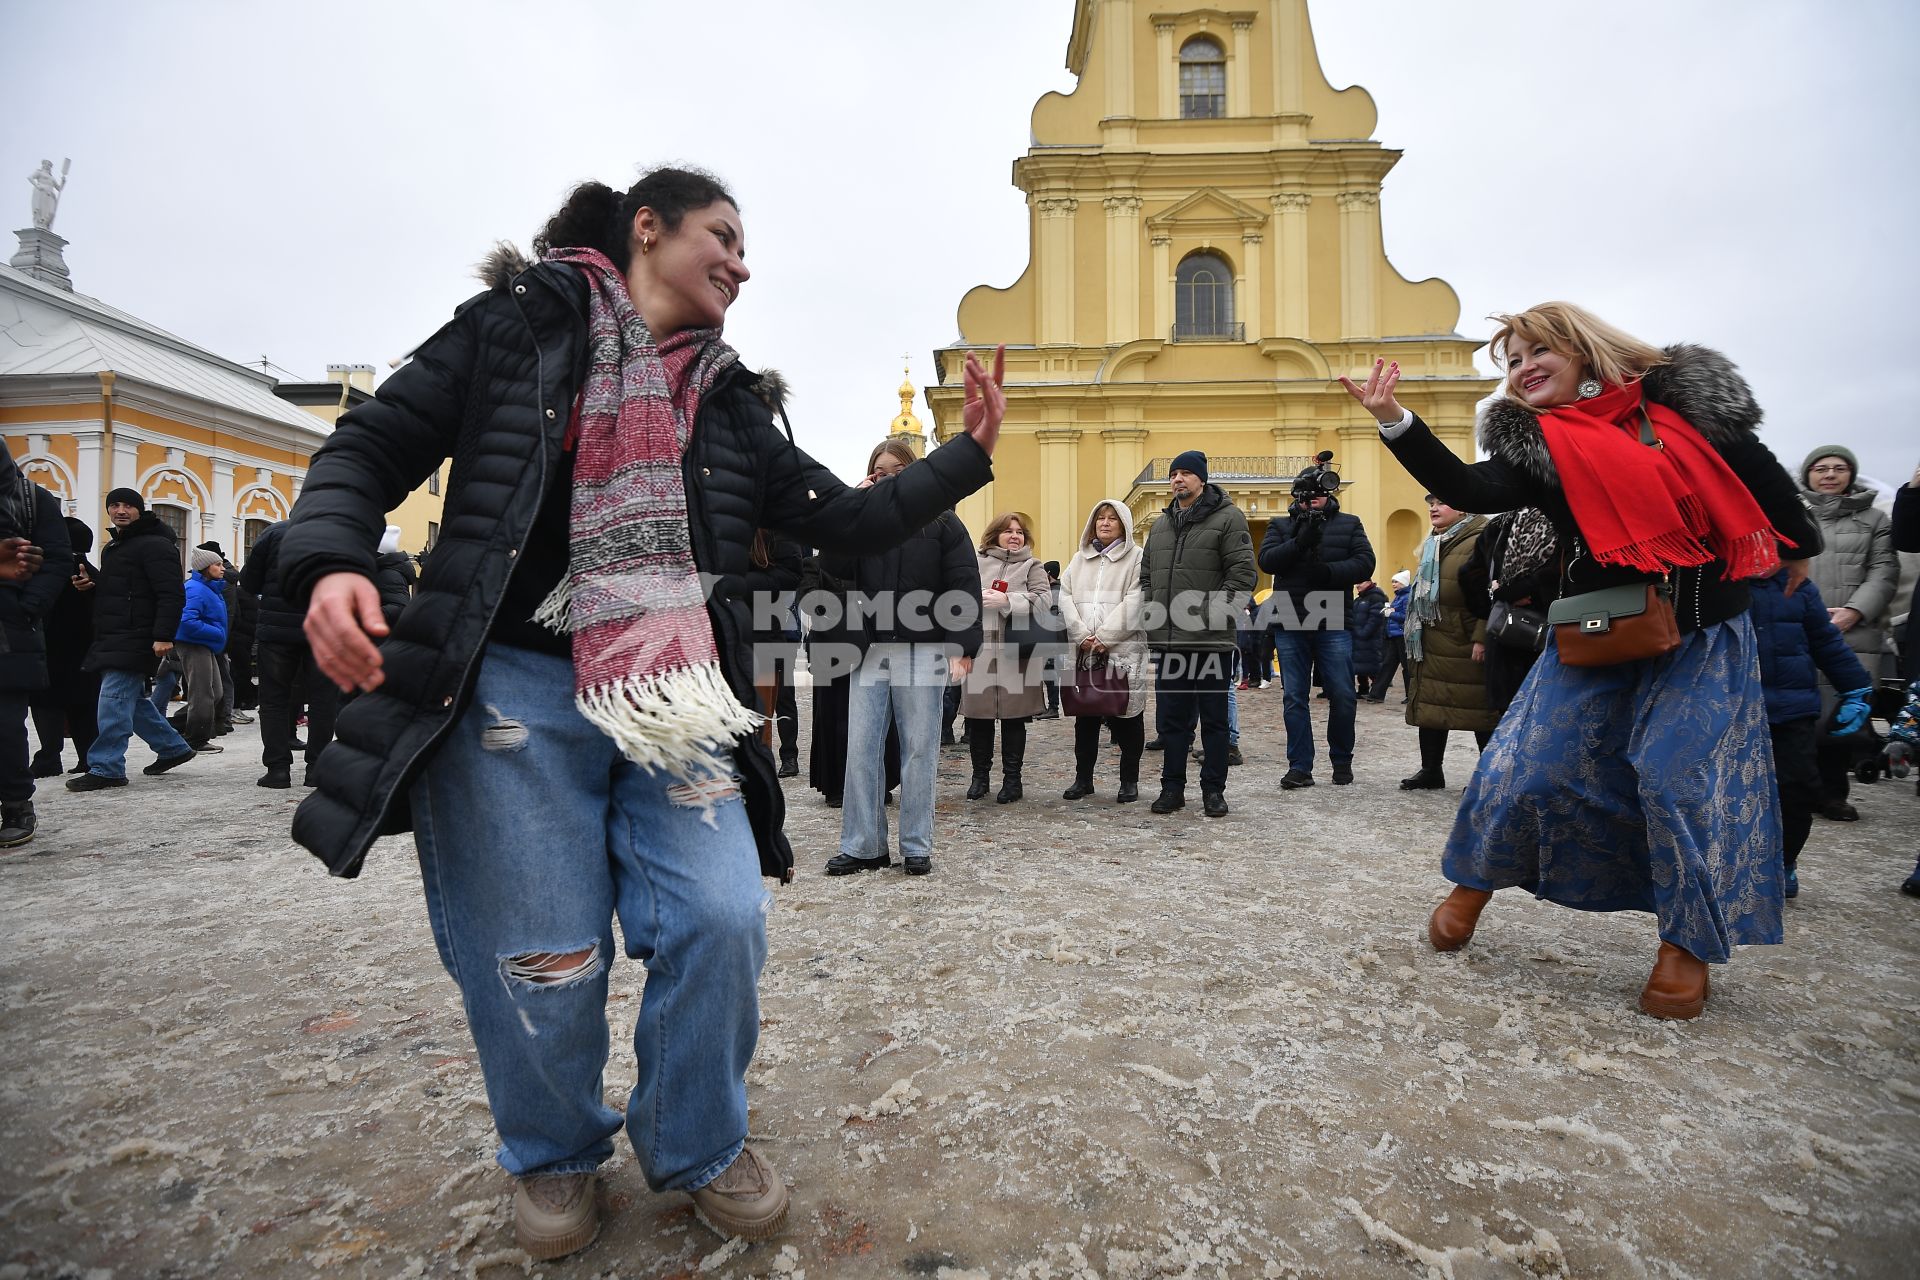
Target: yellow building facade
94, 399
1206, 259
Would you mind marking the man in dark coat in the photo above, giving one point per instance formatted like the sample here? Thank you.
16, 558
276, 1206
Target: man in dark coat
67, 707
1195, 574
285, 664
1316, 556
135, 614
26, 511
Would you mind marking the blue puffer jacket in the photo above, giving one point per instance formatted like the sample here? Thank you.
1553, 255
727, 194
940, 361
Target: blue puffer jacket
1797, 642
1397, 613
204, 620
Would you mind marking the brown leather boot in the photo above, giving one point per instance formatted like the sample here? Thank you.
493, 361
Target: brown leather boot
1451, 924
1678, 986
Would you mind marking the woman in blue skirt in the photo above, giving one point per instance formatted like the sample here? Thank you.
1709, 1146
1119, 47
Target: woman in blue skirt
1646, 785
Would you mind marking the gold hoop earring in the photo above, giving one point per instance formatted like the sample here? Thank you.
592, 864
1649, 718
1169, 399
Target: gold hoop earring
646, 244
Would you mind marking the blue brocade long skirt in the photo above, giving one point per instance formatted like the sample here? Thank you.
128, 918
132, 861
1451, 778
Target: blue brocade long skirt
1643, 787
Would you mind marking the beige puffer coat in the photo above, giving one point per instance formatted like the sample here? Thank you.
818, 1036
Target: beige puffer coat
1001, 686
1859, 568
1100, 597
1447, 689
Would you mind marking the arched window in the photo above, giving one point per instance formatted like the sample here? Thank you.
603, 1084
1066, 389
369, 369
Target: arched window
1203, 298
177, 519
1203, 79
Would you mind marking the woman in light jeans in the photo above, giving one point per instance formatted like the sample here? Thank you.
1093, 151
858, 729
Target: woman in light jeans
918, 627
563, 709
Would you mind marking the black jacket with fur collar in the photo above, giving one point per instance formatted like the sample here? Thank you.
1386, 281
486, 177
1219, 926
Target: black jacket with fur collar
493, 390
1699, 384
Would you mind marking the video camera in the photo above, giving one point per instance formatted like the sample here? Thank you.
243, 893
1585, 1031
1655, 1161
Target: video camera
1318, 481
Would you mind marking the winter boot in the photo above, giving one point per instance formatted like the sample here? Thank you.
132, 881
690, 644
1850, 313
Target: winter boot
1678, 986
16, 823
1452, 922
1010, 789
46, 764
979, 786
1081, 788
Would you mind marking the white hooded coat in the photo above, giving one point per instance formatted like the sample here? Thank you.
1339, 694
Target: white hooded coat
1100, 597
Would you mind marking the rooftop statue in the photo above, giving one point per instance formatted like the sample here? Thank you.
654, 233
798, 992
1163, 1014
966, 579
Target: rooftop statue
46, 192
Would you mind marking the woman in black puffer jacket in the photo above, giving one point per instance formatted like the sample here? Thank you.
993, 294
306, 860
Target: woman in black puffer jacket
611, 462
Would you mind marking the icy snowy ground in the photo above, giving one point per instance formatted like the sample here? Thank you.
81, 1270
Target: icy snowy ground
1093, 1043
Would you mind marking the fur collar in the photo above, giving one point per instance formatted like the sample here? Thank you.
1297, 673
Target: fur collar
505, 261
1698, 383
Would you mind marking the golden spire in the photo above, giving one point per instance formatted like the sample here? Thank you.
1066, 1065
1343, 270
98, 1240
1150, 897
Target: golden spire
907, 423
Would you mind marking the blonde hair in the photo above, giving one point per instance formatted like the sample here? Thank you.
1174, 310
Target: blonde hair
991, 538
893, 448
1609, 354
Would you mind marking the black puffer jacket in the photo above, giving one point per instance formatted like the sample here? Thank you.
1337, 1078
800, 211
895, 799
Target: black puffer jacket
493, 389
69, 625
24, 605
394, 576
243, 614
278, 619
1699, 384
935, 559
139, 599
1306, 556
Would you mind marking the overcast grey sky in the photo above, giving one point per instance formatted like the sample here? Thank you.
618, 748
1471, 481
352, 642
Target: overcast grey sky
313, 182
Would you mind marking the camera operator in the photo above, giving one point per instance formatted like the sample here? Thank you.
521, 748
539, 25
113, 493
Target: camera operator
1316, 556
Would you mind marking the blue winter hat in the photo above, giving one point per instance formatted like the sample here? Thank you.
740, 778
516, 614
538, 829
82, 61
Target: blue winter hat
1192, 460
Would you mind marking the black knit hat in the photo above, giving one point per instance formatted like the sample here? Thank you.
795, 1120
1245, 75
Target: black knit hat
1192, 460
129, 496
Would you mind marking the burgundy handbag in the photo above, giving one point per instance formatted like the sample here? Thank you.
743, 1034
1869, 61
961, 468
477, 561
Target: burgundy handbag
1096, 690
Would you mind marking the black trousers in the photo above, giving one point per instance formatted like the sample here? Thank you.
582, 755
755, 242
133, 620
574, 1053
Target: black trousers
1393, 661
1129, 734
1797, 774
16, 774
283, 668
1013, 744
1433, 746
69, 710
1190, 688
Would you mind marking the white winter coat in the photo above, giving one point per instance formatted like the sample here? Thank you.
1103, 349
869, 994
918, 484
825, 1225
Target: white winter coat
1100, 597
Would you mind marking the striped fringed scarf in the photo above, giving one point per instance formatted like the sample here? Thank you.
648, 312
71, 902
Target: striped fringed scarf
646, 670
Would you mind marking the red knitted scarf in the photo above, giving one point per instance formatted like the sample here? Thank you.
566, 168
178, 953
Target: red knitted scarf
1654, 508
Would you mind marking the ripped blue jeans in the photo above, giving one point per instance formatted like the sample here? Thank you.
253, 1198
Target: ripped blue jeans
534, 833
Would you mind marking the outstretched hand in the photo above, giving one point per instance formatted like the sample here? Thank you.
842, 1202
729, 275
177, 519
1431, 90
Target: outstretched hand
1377, 396
986, 399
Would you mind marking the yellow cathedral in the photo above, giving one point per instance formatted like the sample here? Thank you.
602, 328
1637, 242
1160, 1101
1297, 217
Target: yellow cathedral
1205, 261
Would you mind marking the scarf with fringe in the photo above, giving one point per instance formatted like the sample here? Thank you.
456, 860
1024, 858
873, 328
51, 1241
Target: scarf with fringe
1654, 508
646, 669
1423, 605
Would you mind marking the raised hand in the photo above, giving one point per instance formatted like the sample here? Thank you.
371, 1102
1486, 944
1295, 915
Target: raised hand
986, 399
1377, 396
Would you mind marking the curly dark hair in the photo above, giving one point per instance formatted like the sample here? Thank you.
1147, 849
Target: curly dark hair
595, 216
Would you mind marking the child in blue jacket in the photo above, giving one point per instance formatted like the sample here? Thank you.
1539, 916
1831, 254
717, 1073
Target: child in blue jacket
1798, 642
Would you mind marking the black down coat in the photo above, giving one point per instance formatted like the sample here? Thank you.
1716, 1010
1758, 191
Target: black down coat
1367, 624
394, 576
24, 605
278, 620
141, 593
493, 389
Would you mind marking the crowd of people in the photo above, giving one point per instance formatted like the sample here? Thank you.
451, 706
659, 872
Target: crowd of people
585, 703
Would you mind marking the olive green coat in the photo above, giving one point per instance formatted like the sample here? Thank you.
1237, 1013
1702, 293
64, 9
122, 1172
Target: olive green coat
1196, 574
1447, 689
